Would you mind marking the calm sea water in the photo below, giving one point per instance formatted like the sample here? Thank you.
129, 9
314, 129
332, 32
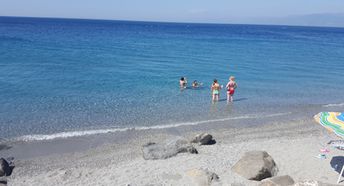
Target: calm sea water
60, 75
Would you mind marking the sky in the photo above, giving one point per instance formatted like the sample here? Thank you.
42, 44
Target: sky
204, 11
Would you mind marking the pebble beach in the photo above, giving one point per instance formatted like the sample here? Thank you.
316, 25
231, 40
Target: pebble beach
293, 146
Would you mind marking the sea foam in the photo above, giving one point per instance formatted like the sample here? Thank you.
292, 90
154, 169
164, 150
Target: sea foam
334, 105
61, 135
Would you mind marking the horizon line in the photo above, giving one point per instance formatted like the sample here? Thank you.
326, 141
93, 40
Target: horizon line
172, 22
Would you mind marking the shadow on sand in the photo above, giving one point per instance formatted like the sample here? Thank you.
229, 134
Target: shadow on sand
337, 163
4, 182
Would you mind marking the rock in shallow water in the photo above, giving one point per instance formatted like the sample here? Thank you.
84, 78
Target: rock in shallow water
153, 151
256, 165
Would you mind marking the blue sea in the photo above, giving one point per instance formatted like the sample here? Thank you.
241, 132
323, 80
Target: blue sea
69, 77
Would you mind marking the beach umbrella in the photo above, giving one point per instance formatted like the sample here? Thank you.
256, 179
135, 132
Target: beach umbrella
334, 122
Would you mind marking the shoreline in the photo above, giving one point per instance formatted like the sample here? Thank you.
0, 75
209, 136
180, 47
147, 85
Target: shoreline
82, 133
118, 158
69, 144
296, 111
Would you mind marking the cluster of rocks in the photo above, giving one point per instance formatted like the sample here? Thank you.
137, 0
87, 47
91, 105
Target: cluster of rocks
153, 151
260, 166
5, 170
254, 165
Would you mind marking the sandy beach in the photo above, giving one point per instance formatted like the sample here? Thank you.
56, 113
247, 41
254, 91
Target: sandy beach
294, 147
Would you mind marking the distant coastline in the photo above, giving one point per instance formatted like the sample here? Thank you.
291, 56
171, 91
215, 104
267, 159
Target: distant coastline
171, 22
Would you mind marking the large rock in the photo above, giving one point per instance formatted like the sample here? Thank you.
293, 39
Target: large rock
152, 151
277, 181
313, 183
5, 169
203, 139
200, 177
256, 165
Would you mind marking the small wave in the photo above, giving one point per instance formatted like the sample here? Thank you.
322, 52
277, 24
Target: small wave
61, 135
9, 38
334, 105
39, 137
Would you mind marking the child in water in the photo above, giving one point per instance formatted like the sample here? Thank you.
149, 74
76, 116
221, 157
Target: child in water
215, 90
231, 86
183, 82
196, 84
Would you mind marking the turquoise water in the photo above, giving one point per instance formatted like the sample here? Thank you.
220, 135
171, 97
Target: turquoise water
61, 75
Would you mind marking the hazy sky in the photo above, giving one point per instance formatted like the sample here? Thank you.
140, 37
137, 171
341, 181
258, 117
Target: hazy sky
221, 11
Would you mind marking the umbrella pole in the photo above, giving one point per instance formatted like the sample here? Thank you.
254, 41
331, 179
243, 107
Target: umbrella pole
340, 175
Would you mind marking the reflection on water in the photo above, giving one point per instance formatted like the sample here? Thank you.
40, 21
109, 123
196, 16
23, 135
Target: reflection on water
229, 108
218, 109
213, 108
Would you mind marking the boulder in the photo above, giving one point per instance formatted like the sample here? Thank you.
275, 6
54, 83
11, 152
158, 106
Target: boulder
5, 169
277, 181
256, 165
152, 151
199, 177
203, 139
313, 183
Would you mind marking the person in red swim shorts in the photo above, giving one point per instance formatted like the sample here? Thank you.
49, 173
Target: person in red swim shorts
231, 86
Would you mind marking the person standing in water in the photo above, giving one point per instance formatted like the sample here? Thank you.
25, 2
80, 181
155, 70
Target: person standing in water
231, 86
215, 90
183, 82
